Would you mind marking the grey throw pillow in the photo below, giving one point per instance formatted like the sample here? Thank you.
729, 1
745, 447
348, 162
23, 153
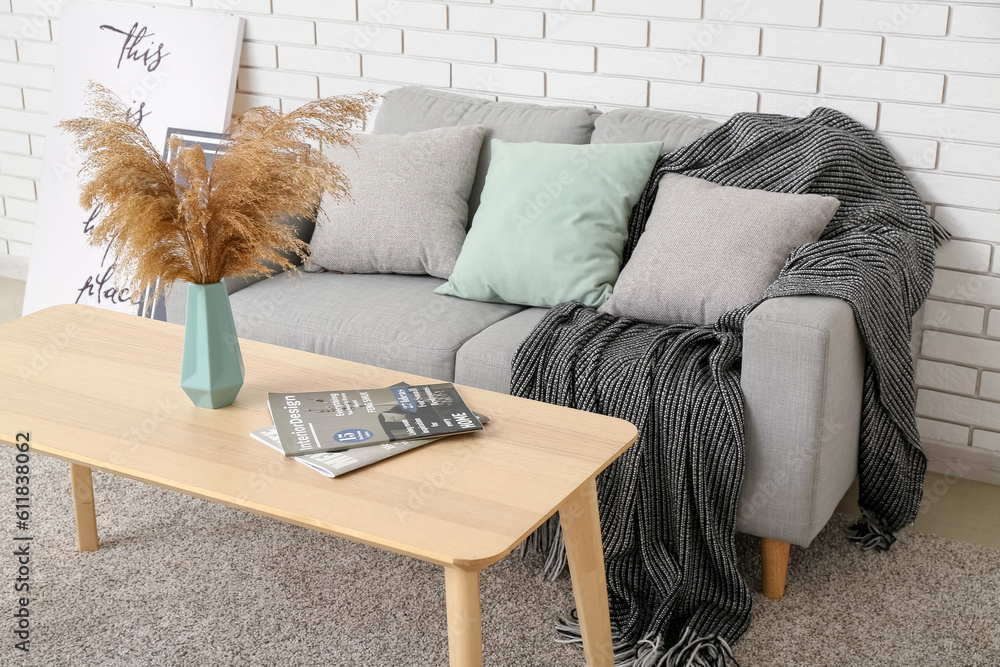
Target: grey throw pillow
708, 249
408, 207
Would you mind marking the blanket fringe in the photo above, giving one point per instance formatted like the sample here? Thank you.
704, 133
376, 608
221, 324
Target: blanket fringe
869, 532
548, 540
941, 233
690, 651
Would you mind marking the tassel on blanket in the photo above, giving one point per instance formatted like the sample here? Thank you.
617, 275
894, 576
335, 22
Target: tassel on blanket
569, 633
690, 651
941, 233
548, 540
869, 532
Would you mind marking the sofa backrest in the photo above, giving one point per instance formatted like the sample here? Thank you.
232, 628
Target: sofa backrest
675, 130
413, 108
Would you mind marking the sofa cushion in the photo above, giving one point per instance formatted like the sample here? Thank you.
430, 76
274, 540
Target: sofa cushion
413, 108
386, 320
408, 205
484, 360
552, 224
708, 249
675, 130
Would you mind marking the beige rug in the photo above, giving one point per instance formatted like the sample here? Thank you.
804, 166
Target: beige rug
180, 581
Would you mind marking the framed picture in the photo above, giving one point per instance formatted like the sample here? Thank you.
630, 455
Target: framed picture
172, 68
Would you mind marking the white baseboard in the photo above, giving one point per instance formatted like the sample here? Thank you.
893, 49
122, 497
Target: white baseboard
12, 266
975, 463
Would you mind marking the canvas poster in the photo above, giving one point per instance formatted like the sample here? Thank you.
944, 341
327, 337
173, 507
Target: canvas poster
172, 68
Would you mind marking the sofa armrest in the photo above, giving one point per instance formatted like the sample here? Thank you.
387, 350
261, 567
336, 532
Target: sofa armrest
175, 302
802, 379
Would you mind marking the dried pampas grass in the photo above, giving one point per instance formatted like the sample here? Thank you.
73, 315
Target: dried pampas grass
169, 221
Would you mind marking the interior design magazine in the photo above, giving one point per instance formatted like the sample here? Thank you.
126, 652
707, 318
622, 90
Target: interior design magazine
332, 464
330, 421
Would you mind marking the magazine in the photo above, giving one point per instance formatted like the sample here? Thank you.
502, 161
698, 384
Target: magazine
331, 421
331, 464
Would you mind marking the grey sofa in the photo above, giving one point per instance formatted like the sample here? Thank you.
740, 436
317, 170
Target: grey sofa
802, 360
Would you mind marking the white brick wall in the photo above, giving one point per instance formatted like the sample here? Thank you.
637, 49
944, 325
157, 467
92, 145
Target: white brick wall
494, 21
953, 317
791, 12
925, 76
823, 47
430, 44
761, 74
704, 36
986, 440
943, 432
546, 55
993, 328
590, 28
886, 17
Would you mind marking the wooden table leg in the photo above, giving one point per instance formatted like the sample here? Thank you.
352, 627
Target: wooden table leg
465, 622
581, 527
83, 503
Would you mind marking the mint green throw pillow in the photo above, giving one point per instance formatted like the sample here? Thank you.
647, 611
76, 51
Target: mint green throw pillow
552, 223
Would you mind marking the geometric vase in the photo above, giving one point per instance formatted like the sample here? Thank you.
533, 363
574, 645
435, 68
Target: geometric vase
212, 371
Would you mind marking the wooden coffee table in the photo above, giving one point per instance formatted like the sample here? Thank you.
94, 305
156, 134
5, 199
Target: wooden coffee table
101, 390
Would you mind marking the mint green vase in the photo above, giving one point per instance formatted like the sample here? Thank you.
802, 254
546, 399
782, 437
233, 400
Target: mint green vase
212, 371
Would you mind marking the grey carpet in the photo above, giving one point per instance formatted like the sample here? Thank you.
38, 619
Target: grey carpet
180, 581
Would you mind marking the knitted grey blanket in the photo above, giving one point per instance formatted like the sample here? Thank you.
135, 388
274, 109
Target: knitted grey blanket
669, 504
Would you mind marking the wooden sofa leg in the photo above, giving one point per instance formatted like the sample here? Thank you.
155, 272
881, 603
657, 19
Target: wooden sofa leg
774, 566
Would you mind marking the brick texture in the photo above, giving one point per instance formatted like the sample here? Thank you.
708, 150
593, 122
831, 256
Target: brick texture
924, 76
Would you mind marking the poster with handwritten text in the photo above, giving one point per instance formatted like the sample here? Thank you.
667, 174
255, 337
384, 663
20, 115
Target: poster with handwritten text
171, 68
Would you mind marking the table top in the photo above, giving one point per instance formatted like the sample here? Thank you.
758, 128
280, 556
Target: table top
102, 389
